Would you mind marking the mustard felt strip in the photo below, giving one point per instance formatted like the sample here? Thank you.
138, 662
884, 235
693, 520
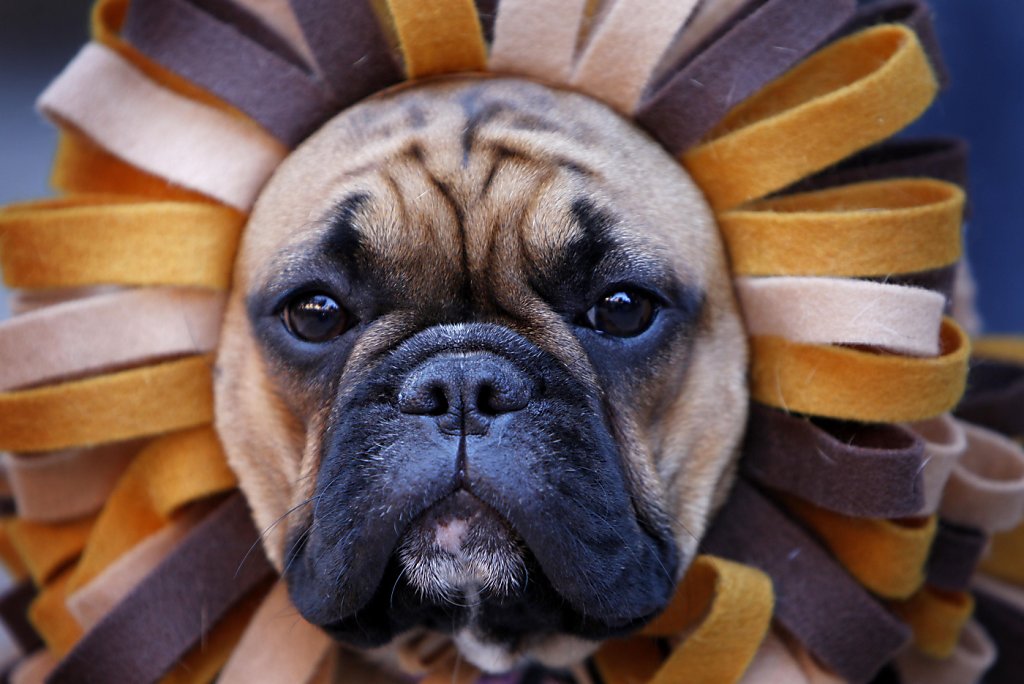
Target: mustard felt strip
867, 229
50, 616
888, 557
90, 240
937, 618
1006, 556
134, 403
439, 37
47, 548
972, 657
838, 382
999, 348
852, 94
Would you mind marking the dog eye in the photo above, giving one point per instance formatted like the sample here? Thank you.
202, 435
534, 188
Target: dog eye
315, 318
623, 313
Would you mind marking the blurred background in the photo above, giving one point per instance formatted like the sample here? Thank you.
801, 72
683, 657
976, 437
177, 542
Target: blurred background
983, 42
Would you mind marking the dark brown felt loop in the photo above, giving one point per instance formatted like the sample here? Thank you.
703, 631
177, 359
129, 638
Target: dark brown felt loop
14, 606
857, 469
487, 10
349, 46
817, 602
1005, 625
915, 14
283, 97
758, 48
955, 554
994, 397
216, 565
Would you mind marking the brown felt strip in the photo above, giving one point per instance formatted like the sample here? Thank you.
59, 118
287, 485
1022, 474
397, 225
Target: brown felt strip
858, 469
14, 605
995, 396
1005, 625
349, 45
916, 14
955, 554
815, 600
280, 95
488, 12
762, 46
217, 564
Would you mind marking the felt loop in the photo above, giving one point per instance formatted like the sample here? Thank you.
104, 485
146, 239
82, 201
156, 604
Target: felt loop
109, 408
537, 38
995, 397
51, 619
848, 96
90, 240
936, 618
869, 229
48, 548
861, 470
986, 488
620, 661
64, 485
1005, 559
759, 47
107, 332
972, 656
438, 37
14, 604
1004, 623
843, 311
848, 384
944, 443
816, 601
955, 555
916, 15
625, 47
1008, 348
186, 142
33, 669
216, 556
276, 92
280, 20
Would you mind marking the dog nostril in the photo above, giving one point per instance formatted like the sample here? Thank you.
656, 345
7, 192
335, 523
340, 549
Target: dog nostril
492, 399
428, 399
438, 401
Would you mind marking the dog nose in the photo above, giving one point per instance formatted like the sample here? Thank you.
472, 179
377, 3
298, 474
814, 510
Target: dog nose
465, 392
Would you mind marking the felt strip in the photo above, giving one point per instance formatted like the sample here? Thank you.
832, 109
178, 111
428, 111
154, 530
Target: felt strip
1005, 626
279, 94
838, 382
51, 619
12, 561
955, 555
299, 647
936, 618
349, 46
1010, 594
842, 311
986, 488
277, 16
171, 472
125, 645
1005, 559
973, 655
105, 97
537, 38
487, 10
34, 668
439, 37
994, 396
14, 604
940, 280
626, 660
1008, 348
916, 15
838, 622
47, 548
738, 63
27, 301
869, 229
858, 469
782, 660
106, 333
135, 403
90, 240
621, 53
944, 443
848, 96
64, 485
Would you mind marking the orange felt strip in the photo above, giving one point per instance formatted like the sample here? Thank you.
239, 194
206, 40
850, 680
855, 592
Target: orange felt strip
886, 556
46, 548
852, 94
1006, 556
937, 618
867, 229
101, 239
439, 37
50, 616
134, 403
1000, 348
849, 384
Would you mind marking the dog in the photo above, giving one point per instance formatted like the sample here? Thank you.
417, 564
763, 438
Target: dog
482, 371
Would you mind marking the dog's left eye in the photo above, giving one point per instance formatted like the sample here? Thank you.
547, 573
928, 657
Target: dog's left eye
315, 318
623, 313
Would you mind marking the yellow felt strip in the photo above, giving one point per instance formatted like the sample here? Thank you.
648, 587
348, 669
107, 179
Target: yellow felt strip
849, 384
1000, 348
850, 95
50, 616
109, 408
100, 239
439, 37
46, 548
886, 556
866, 229
936, 618
972, 657
1006, 556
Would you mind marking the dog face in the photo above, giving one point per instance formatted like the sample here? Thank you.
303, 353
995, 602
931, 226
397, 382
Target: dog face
482, 370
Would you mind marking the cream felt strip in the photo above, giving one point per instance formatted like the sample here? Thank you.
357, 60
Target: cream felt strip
298, 647
973, 655
537, 38
279, 16
945, 442
26, 301
108, 332
781, 660
843, 311
191, 144
34, 669
986, 488
618, 59
68, 484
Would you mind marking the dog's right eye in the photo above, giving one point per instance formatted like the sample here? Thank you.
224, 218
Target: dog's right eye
315, 318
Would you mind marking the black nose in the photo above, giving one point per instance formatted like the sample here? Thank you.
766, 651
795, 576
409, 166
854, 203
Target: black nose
465, 392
